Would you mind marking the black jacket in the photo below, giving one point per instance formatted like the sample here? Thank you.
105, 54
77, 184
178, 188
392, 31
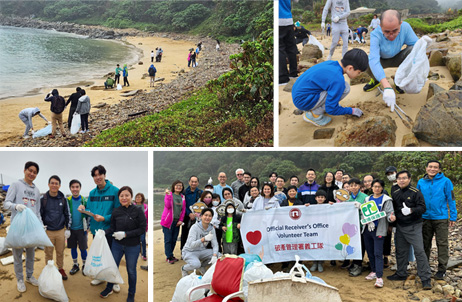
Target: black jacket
242, 191
130, 220
330, 192
296, 202
413, 199
55, 212
73, 99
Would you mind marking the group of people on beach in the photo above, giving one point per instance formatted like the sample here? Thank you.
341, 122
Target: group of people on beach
194, 54
158, 54
63, 220
318, 91
210, 219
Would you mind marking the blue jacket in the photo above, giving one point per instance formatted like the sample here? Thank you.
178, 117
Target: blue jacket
191, 198
307, 192
102, 202
438, 194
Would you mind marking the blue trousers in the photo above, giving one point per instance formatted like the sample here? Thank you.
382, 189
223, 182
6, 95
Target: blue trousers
131, 258
374, 248
143, 244
170, 238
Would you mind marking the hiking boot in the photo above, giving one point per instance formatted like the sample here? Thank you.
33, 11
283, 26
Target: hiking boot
356, 270
427, 284
396, 277
371, 276
32, 281
399, 90
439, 275
21, 286
320, 267
116, 288
74, 269
314, 267
371, 85
63, 273
105, 293
319, 121
379, 283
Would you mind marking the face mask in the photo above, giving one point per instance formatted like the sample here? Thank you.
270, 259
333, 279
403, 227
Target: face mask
391, 177
230, 211
215, 202
207, 200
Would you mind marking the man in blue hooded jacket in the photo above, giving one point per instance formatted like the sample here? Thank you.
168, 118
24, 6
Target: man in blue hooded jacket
438, 192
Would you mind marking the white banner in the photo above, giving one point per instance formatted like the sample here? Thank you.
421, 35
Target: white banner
316, 232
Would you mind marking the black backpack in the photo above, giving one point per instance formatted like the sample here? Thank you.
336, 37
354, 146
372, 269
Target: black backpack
58, 104
152, 71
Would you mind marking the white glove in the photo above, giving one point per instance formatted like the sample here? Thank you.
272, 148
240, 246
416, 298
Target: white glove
357, 112
323, 25
357, 204
209, 236
119, 235
67, 234
336, 19
20, 207
371, 226
213, 260
32, 131
49, 123
45, 228
405, 210
389, 98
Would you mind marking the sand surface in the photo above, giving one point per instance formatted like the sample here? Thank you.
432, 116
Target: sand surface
294, 131
78, 287
352, 289
173, 60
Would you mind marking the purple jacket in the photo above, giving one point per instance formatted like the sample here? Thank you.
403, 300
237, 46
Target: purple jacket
167, 215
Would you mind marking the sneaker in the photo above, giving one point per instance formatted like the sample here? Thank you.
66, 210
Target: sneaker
439, 275
83, 267
396, 277
319, 121
183, 272
175, 259
144, 267
320, 267
283, 84
356, 270
170, 260
81, 131
52, 136
21, 286
329, 58
105, 293
74, 269
399, 90
371, 276
144, 258
26, 136
96, 282
314, 267
371, 85
333, 263
379, 283
345, 264
116, 288
427, 284
32, 281
131, 297
63, 273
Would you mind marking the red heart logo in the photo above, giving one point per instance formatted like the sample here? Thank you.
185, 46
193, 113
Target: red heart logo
253, 237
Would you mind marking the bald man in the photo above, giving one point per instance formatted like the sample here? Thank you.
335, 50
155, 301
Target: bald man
385, 51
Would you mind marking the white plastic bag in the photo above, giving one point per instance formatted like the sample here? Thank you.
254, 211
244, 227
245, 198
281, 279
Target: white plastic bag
50, 283
413, 72
100, 263
185, 283
75, 126
256, 271
3, 248
315, 41
207, 278
42, 132
119, 87
26, 231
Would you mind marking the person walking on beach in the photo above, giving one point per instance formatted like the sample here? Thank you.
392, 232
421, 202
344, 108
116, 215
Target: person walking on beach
152, 74
117, 74
26, 116
152, 56
73, 99
125, 75
83, 108
57, 107
189, 58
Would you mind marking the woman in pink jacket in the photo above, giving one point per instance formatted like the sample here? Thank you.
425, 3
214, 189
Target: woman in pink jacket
172, 218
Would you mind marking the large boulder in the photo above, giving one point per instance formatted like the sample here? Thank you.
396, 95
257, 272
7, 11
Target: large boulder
377, 131
310, 52
439, 121
457, 85
436, 58
433, 89
442, 37
453, 64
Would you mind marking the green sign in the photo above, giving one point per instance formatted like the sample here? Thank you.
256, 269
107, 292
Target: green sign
371, 212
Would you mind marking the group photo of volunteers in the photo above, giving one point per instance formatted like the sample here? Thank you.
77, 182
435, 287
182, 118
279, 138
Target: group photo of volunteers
75, 226
205, 216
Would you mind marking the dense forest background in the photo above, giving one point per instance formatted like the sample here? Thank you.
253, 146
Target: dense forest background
243, 19
172, 165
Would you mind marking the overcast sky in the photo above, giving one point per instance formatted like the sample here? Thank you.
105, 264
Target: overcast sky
124, 168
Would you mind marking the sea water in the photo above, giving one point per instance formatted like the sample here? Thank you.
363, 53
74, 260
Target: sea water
31, 59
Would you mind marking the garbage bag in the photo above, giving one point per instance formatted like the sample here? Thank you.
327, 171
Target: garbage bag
256, 271
26, 231
413, 72
207, 278
315, 41
185, 283
42, 132
119, 87
75, 126
100, 263
50, 283
249, 258
3, 248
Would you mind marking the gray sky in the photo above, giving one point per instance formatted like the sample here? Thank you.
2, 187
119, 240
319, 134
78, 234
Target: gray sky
124, 168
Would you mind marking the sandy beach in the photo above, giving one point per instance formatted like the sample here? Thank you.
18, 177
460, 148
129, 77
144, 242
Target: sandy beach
174, 59
371, 103
77, 287
352, 289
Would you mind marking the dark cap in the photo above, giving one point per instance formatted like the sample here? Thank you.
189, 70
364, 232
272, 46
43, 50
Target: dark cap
390, 170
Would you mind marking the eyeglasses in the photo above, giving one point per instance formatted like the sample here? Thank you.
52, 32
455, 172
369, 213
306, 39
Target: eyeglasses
239, 174
267, 183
